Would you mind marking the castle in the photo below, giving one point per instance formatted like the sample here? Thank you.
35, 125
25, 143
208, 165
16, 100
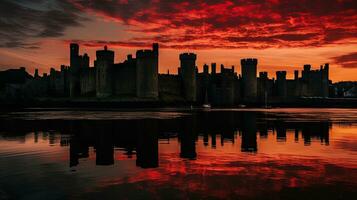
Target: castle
138, 79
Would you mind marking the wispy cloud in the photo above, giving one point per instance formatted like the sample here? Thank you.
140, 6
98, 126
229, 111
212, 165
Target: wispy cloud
21, 23
346, 60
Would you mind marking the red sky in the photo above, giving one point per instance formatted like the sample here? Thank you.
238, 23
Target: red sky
282, 34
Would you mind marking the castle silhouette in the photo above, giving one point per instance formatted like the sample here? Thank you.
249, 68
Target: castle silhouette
138, 79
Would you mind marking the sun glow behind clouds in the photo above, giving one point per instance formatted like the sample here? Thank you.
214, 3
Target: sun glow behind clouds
281, 34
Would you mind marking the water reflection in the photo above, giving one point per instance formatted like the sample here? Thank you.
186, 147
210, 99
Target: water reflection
141, 137
194, 155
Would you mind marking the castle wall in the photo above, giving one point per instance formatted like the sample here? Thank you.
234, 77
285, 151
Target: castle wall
170, 87
265, 88
237, 90
139, 78
223, 90
202, 87
124, 79
281, 84
88, 82
291, 88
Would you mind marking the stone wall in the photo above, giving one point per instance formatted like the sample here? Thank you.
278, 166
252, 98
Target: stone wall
124, 79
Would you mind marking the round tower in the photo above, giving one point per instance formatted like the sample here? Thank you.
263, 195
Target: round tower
104, 64
249, 78
188, 74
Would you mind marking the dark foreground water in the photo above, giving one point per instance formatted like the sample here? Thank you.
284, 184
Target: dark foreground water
177, 154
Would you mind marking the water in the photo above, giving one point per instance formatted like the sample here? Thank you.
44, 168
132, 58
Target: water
179, 154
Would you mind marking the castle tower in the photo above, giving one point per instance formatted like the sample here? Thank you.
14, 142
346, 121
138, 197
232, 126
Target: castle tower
306, 72
147, 72
104, 64
296, 75
85, 61
74, 53
213, 68
297, 90
281, 84
249, 78
263, 75
205, 69
36, 75
325, 80
75, 62
188, 74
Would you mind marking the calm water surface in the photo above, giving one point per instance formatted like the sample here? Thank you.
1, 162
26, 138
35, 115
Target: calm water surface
179, 154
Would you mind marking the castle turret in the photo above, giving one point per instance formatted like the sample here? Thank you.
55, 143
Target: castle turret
36, 75
188, 74
249, 78
147, 69
104, 65
205, 69
263, 75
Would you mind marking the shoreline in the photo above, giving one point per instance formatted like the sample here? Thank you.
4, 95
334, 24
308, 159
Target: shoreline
80, 104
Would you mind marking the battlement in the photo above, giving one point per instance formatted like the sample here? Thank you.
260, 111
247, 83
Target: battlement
326, 66
307, 67
104, 52
155, 47
145, 53
281, 74
249, 61
129, 57
74, 47
205, 68
263, 75
188, 56
225, 70
64, 67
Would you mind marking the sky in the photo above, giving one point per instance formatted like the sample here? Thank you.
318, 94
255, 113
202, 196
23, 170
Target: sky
282, 34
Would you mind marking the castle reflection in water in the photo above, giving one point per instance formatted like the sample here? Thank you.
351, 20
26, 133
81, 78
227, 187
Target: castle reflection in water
141, 137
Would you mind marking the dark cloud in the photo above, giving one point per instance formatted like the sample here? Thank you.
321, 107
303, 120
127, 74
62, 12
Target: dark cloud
189, 23
347, 60
21, 22
233, 24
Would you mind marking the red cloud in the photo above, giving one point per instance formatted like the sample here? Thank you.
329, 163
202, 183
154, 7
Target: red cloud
347, 60
231, 24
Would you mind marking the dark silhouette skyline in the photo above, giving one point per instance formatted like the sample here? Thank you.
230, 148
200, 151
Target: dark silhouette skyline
137, 79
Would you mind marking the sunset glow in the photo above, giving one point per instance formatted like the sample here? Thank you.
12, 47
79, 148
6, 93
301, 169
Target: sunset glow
282, 34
